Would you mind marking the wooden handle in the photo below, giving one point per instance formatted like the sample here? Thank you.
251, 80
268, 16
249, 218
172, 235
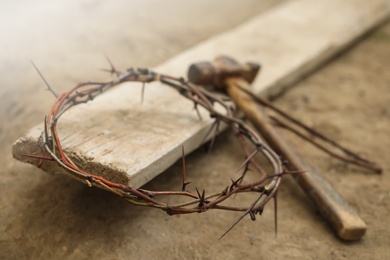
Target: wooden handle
343, 219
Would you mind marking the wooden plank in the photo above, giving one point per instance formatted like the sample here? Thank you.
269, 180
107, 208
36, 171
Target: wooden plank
117, 137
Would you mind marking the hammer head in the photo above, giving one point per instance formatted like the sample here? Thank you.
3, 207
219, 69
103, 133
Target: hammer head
215, 73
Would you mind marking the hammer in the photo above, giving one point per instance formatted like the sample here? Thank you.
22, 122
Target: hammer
228, 75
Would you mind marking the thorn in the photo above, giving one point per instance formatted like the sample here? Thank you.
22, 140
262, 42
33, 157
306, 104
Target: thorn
242, 216
232, 226
185, 185
44, 80
197, 191
142, 92
225, 191
202, 200
212, 141
40, 157
184, 171
235, 183
252, 215
113, 70
246, 169
197, 111
88, 183
276, 215
46, 142
247, 160
106, 70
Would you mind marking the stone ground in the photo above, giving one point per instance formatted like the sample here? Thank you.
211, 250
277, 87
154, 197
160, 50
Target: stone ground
46, 216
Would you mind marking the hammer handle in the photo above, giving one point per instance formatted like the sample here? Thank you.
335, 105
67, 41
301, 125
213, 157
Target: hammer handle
342, 218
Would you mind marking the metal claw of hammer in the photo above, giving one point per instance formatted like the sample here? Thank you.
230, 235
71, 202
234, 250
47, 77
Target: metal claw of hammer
227, 74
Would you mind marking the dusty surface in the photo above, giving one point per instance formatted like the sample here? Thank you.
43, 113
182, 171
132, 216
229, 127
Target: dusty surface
45, 216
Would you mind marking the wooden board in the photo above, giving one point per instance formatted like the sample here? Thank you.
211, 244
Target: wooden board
117, 137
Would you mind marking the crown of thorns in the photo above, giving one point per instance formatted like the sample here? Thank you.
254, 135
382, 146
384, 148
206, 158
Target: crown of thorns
265, 185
